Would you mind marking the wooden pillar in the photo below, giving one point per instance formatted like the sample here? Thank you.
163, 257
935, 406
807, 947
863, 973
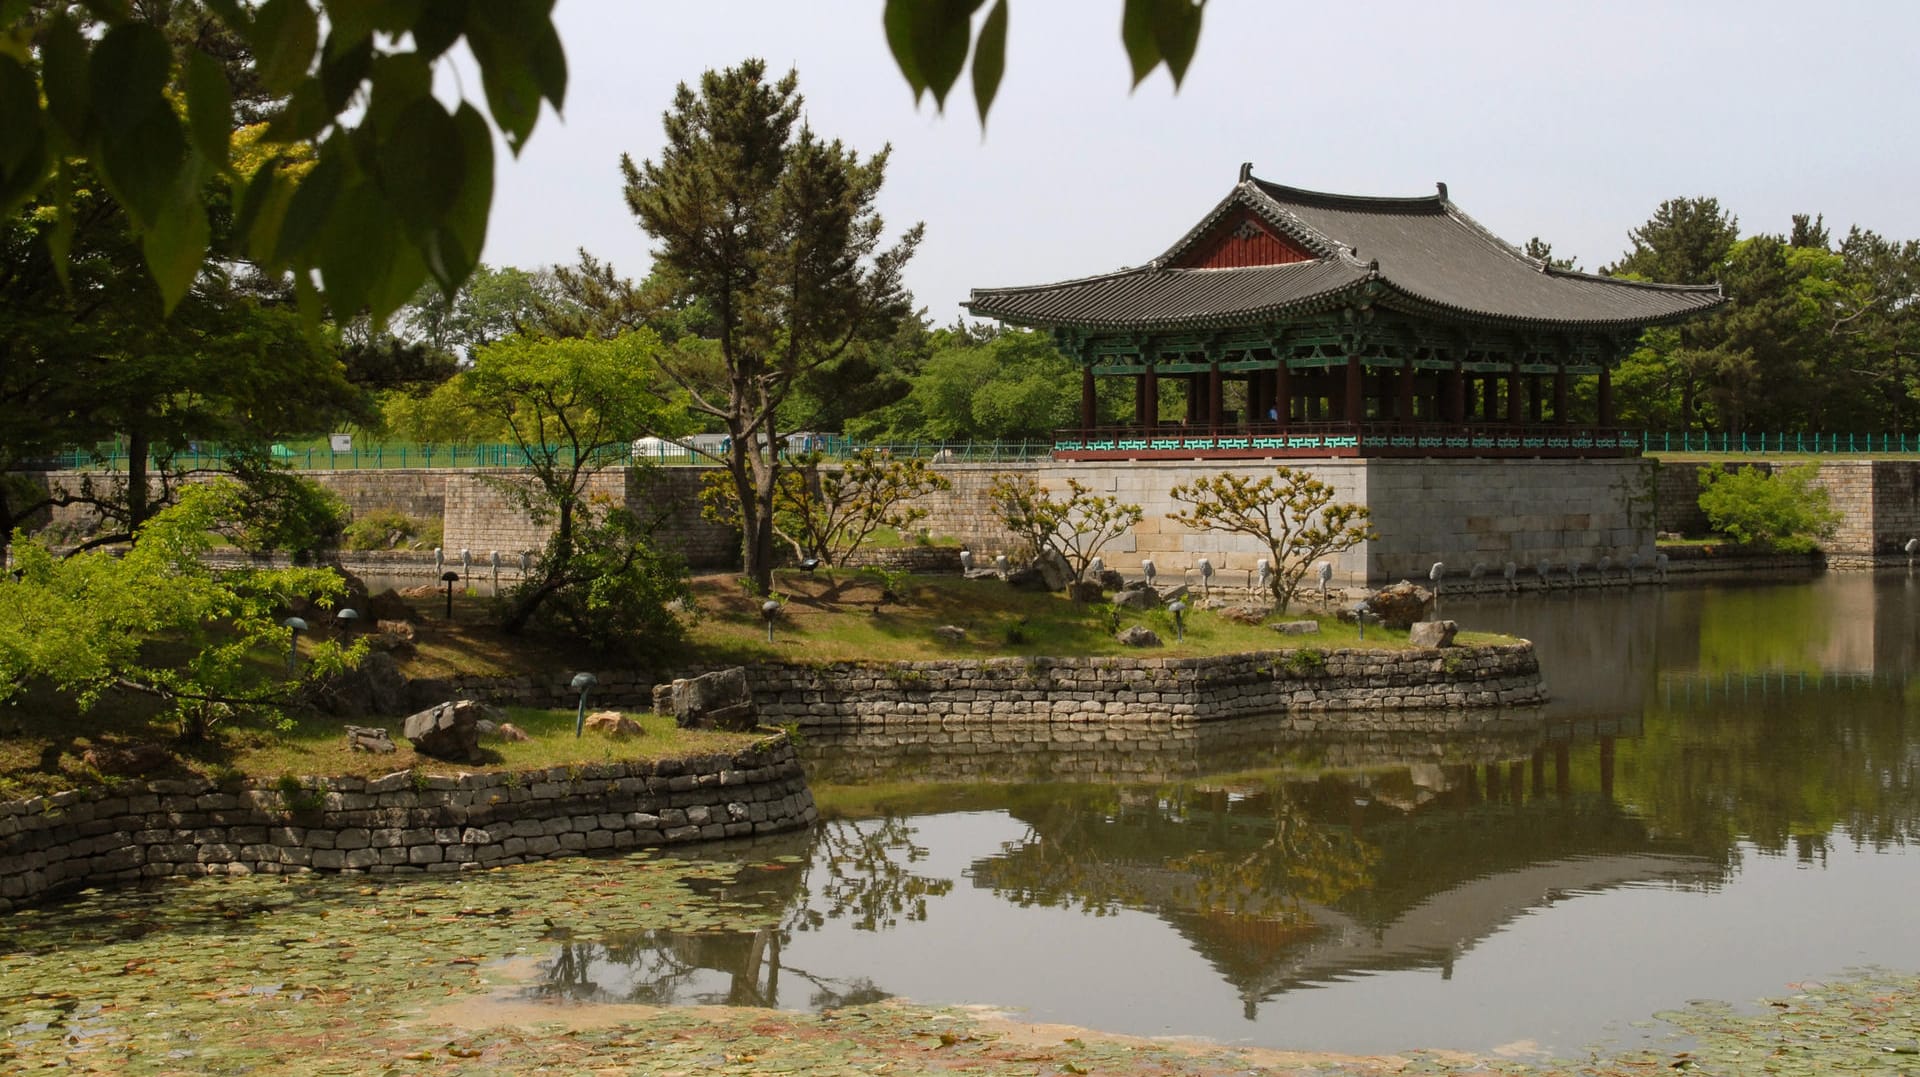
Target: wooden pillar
1514, 396
1457, 395
1606, 396
1087, 398
1356, 394
1403, 408
1536, 399
1283, 393
1216, 404
1560, 394
1150, 413
1140, 400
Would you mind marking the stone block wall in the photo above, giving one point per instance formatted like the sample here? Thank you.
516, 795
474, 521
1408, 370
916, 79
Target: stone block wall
1878, 500
1101, 692
394, 824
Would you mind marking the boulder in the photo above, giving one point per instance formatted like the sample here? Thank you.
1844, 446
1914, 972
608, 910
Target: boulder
395, 629
1085, 591
1400, 605
1054, 570
1028, 578
1138, 636
1111, 580
1432, 633
367, 739
374, 687
718, 700
386, 605
1298, 628
1143, 597
950, 634
448, 730
614, 724
1245, 614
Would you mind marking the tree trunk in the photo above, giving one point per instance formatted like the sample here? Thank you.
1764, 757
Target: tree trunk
137, 509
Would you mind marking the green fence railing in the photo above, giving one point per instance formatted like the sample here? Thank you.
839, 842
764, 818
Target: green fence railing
111, 456
1813, 444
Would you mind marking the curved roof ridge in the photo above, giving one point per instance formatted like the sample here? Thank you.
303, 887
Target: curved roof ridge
1281, 192
1655, 285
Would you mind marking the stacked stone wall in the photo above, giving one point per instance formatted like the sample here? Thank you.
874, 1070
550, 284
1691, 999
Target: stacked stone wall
1878, 501
399, 823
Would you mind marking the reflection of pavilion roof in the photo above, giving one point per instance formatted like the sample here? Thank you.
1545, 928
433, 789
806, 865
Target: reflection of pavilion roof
1432, 933
1267, 251
1449, 876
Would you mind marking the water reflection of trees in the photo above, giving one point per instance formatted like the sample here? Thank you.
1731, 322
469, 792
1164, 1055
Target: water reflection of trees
861, 871
1783, 768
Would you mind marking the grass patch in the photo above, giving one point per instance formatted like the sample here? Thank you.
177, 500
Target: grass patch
841, 618
42, 752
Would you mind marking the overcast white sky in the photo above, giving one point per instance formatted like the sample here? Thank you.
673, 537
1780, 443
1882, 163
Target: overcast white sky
1570, 121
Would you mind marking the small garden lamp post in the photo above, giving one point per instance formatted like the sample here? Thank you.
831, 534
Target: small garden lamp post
1206, 576
966, 561
1001, 565
526, 565
1912, 547
582, 683
495, 558
768, 611
1095, 567
466, 561
449, 577
439, 559
1326, 578
1361, 611
1177, 607
1263, 571
295, 626
1434, 575
1147, 570
343, 619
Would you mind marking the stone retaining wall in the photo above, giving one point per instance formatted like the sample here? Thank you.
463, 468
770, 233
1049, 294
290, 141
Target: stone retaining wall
399, 823
1122, 690
1119, 690
1878, 502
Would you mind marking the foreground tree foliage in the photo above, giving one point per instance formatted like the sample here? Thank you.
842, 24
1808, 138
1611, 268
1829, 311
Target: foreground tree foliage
1782, 510
571, 407
208, 644
1074, 528
773, 232
1290, 512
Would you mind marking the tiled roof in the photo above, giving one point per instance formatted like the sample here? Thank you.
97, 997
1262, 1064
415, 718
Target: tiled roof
1425, 253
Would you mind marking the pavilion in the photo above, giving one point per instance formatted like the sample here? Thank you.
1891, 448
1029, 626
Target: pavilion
1295, 323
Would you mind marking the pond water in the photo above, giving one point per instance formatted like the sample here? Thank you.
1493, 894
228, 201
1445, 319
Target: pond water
1720, 802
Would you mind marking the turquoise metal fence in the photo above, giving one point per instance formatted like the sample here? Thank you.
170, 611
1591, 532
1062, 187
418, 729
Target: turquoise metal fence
379, 455
1700, 441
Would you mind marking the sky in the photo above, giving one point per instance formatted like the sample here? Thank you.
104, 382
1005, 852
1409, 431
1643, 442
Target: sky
1567, 121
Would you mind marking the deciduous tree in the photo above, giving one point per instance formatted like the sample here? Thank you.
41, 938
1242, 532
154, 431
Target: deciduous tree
1074, 528
1290, 512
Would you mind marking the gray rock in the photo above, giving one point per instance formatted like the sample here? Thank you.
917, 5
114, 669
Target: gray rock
950, 634
1085, 591
1138, 636
1400, 605
1111, 580
1137, 598
448, 730
1245, 614
1054, 570
374, 687
1028, 579
1298, 628
1432, 633
717, 700
365, 739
